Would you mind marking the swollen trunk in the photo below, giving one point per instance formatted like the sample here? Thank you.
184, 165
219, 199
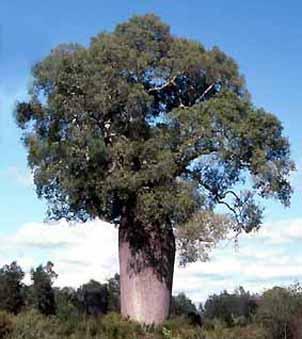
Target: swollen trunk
146, 274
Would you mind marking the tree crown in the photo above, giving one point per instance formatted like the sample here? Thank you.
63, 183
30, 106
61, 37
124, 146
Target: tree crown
156, 127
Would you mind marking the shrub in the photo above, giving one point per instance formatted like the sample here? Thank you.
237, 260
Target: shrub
180, 328
115, 327
6, 324
33, 325
248, 332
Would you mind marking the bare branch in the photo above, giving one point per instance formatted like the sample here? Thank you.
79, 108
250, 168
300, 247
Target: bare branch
205, 92
165, 85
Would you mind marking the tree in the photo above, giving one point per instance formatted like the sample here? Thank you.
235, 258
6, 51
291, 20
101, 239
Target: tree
93, 298
151, 132
44, 293
182, 305
68, 306
230, 307
11, 296
277, 310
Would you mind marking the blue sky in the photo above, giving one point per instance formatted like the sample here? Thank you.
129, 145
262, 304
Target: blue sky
265, 37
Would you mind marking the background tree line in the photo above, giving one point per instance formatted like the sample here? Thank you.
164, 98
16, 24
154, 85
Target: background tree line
277, 311
92, 298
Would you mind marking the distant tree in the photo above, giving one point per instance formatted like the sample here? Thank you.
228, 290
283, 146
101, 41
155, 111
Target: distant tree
43, 278
11, 296
151, 132
29, 296
93, 298
68, 307
182, 305
296, 320
278, 309
114, 299
229, 306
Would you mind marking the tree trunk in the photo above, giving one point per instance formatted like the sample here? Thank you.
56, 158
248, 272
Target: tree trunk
146, 273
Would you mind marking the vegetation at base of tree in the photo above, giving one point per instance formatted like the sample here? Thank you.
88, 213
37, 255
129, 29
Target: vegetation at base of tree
33, 325
92, 311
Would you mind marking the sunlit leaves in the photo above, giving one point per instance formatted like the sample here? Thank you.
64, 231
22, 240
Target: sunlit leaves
200, 234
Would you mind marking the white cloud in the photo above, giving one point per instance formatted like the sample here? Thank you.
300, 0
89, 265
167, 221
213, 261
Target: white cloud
86, 251
283, 231
80, 252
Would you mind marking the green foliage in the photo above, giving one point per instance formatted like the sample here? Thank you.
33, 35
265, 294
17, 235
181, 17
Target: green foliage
44, 294
11, 297
154, 128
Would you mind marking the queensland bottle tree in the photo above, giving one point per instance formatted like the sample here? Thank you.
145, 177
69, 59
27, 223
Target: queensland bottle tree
151, 132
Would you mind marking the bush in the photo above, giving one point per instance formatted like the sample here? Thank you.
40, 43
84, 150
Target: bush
6, 324
180, 328
115, 327
248, 332
33, 325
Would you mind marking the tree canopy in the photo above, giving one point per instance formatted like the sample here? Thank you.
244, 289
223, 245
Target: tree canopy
158, 127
